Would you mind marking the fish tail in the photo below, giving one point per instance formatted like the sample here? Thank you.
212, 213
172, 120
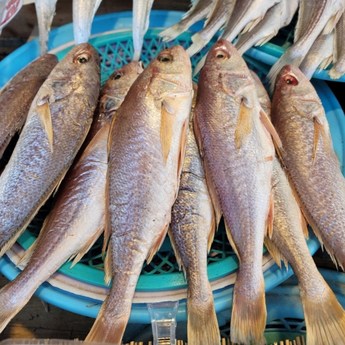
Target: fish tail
106, 329
199, 42
202, 326
248, 319
172, 32
337, 71
11, 303
325, 319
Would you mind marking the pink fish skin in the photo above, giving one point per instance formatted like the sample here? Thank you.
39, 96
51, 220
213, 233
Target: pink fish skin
237, 151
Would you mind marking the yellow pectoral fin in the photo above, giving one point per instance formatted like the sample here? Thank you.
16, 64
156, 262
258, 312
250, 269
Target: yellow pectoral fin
167, 123
270, 217
270, 128
320, 132
244, 124
43, 111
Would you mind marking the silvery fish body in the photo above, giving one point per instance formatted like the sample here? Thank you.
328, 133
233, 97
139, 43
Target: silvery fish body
57, 124
311, 163
145, 162
17, 95
237, 151
78, 215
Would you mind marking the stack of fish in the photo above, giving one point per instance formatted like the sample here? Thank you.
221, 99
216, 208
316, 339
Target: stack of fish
318, 39
154, 160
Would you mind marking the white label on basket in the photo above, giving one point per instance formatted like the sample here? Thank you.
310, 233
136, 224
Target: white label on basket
8, 9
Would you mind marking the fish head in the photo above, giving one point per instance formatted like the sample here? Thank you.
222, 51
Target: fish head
117, 86
223, 56
225, 68
82, 63
171, 73
294, 91
125, 76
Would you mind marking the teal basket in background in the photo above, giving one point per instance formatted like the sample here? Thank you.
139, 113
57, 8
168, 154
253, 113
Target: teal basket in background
82, 289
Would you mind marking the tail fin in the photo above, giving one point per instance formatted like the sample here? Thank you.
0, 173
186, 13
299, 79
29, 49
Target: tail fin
202, 326
248, 319
325, 319
106, 329
11, 304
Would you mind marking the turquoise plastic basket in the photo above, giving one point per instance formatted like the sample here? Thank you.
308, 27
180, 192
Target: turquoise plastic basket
81, 289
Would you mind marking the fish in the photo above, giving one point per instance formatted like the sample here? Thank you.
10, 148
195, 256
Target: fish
308, 155
191, 232
320, 55
276, 17
338, 68
234, 138
217, 18
78, 216
145, 162
57, 124
314, 18
17, 95
83, 13
325, 317
141, 17
245, 16
45, 10
198, 11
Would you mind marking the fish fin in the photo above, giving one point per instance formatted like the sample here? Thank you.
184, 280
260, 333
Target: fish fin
326, 62
304, 226
251, 25
77, 257
199, 65
265, 39
231, 240
324, 317
318, 132
108, 273
107, 330
332, 22
107, 226
43, 112
176, 252
270, 217
24, 260
276, 254
182, 151
159, 241
202, 324
248, 318
270, 128
212, 232
166, 132
244, 124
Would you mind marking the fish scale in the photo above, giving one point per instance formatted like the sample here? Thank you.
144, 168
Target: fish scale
17, 95
144, 167
38, 163
311, 163
77, 217
237, 153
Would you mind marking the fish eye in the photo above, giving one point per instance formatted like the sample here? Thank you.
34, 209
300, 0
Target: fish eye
165, 58
117, 76
222, 54
291, 80
82, 58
